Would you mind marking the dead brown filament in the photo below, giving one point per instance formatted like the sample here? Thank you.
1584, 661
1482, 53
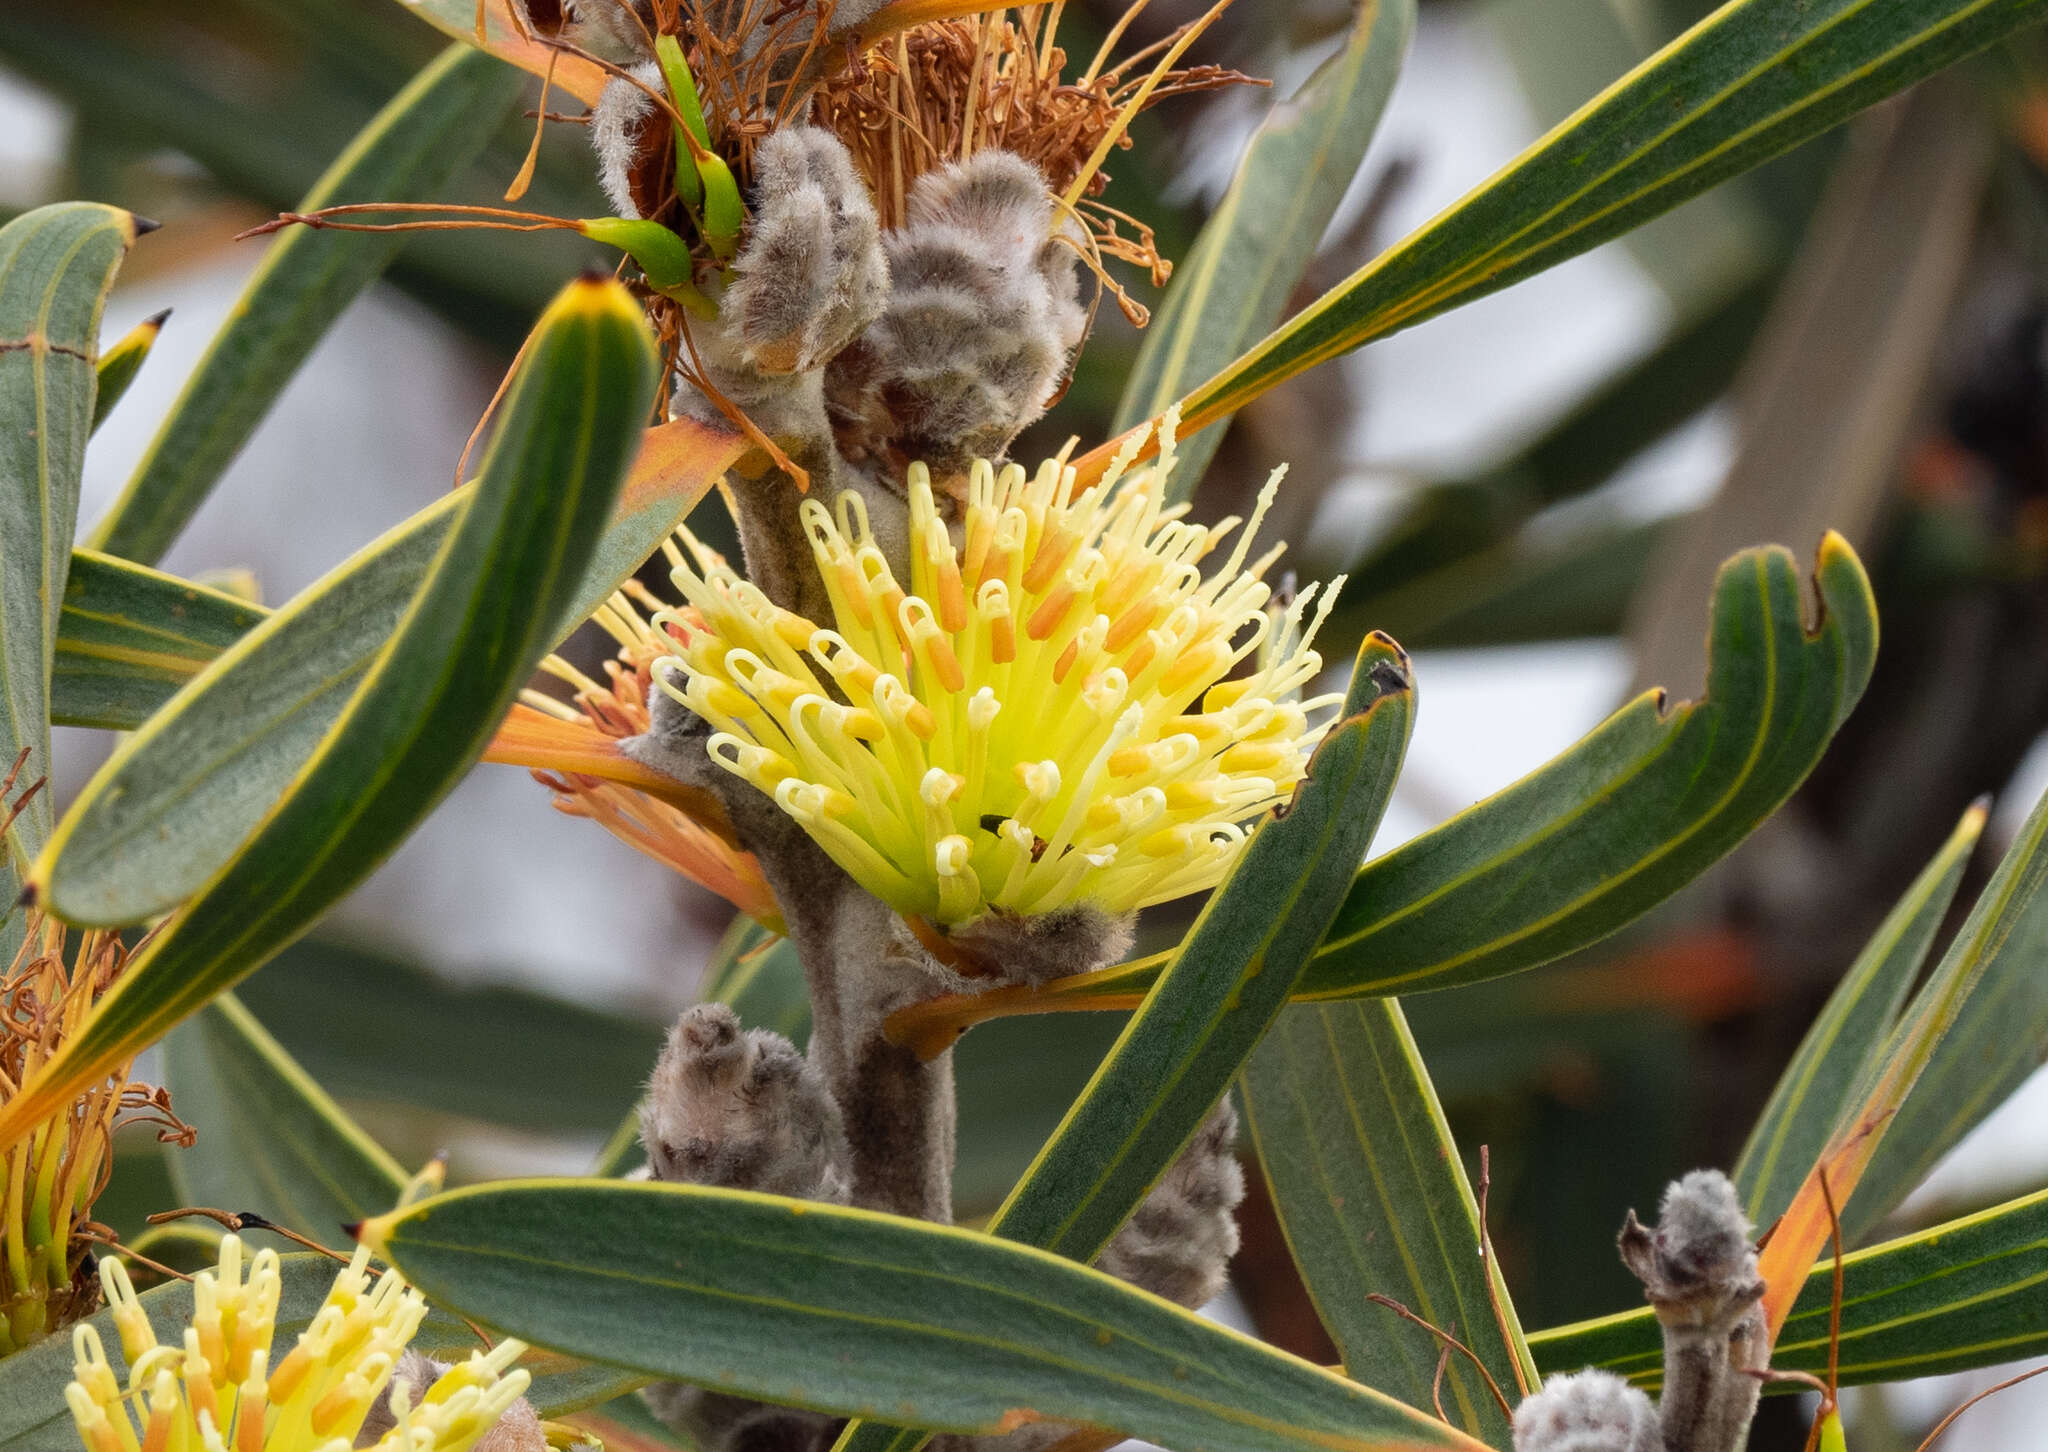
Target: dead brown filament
948, 88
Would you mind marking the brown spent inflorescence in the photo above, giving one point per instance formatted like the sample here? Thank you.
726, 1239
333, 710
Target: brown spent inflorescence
51, 1176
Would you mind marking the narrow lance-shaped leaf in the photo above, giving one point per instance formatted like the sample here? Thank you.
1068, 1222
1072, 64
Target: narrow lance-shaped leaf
1815, 1090
1751, 80
850, 1311
474, 1051
33, 1417
1251, 254
176, 799
1995, 1041
271, 1140
56, 266
2003, 940
1650, 799
129, 636
119, 365
1373, 1199
429, 131
1222, 991
426, 708
1953, 1297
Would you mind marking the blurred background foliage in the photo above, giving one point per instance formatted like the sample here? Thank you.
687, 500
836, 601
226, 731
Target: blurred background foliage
1859, 329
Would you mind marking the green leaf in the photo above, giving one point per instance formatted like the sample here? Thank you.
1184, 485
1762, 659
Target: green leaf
1751, 80
1818, 1086
429, 131
1229, 979
33, 1417
1958, 1296
119, 365
271, 1141
428, 705
175, 800
1372, 1197
1990, 989
56, 266
481, 1053
851, 1311
1226, 983
1650, 799
129, 636
1234, 284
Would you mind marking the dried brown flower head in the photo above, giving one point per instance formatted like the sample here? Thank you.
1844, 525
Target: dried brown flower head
941, 91
50, 1177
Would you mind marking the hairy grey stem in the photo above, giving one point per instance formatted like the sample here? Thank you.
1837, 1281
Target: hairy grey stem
1699, 1273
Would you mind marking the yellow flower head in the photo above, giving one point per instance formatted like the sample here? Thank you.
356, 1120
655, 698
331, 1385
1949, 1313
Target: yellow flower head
217, 1390
1039, 716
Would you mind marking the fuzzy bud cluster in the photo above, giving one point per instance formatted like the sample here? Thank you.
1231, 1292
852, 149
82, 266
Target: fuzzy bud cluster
982, 315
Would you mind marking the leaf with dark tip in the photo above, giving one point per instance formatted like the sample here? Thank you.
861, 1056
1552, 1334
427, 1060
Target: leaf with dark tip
56, 267
119, 365
176, 799
511, 565
851, 1311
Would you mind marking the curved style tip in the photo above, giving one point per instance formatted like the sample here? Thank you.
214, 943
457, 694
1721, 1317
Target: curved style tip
141, 226
155, 321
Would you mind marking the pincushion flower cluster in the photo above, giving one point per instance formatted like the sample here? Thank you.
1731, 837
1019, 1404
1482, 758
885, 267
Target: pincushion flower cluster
1043, 713
217, 1389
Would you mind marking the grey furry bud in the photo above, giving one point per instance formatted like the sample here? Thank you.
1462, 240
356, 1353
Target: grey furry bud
1073, 939
715, 1422
1698, 1267
811, 275
1589, 1411
627, 133
1180, 1241
980, 321
741, 1108
1699, 1272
